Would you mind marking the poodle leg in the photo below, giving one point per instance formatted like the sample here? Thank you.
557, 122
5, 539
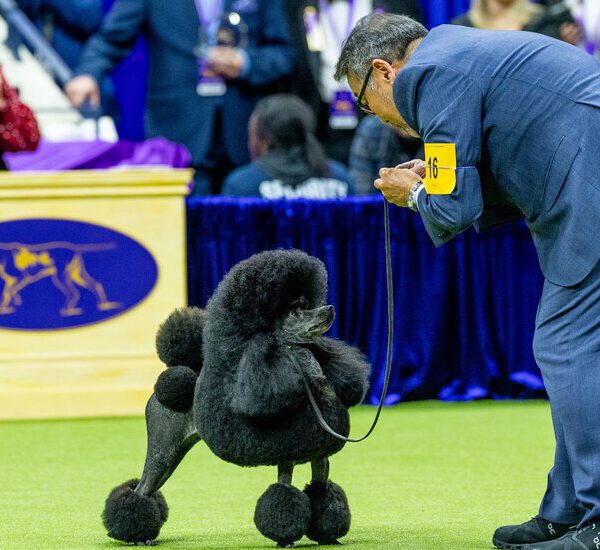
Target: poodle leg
135, 511
330, 514
283, 512
170, 436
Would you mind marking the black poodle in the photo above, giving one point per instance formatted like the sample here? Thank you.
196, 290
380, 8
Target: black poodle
236, 379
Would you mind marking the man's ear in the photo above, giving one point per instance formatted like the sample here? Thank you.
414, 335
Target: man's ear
384, 70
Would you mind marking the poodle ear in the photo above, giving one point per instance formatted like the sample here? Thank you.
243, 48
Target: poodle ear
345, 368
267, 382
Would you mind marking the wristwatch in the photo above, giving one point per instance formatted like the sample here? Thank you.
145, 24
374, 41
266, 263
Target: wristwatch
411, 202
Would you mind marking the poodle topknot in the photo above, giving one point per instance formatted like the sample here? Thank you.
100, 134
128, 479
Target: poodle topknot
259, 291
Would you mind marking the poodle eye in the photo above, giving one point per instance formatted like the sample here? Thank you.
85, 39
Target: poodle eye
297, 305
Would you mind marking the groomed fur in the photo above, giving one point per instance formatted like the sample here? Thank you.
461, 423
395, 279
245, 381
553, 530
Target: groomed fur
267, 383
330, 518
175, 388
257, 292
345, 368
179, 338
247, 356
282, 514
131, 517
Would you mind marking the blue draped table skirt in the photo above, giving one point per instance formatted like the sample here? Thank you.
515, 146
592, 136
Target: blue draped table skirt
464, 313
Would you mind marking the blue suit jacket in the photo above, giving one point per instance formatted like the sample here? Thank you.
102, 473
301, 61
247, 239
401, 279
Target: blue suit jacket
174, 109
524, 112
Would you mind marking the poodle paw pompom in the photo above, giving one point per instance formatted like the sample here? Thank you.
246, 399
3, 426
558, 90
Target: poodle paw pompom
179, 338
175, 388
330, 516
282, 514
131, 517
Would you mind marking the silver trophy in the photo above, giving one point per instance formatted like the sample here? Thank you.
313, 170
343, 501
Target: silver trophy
230, 31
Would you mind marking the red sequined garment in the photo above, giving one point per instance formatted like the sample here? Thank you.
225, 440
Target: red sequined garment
18, 128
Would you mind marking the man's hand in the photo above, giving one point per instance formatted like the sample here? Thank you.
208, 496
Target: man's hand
225, 61
416, 165
83, 88
395, 184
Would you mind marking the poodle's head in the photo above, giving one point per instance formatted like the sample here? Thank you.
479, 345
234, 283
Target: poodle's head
275, 291
302, 325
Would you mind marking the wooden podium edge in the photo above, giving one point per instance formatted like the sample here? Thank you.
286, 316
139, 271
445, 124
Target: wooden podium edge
96, 183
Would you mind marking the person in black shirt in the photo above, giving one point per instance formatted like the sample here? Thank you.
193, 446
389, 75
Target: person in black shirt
521, 15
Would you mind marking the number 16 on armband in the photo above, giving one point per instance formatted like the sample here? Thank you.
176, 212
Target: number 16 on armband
440, 168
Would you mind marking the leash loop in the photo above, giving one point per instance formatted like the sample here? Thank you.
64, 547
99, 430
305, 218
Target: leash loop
388, 366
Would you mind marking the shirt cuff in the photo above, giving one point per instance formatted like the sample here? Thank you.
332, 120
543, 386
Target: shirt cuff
418, 194
246, 65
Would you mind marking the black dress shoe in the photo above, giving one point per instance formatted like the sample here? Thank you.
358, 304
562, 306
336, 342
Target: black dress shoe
586, 538
537, 529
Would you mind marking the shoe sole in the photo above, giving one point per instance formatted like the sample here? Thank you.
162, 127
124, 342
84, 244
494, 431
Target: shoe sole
508, 546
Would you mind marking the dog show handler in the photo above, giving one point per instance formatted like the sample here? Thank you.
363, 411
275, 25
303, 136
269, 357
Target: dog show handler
511, 125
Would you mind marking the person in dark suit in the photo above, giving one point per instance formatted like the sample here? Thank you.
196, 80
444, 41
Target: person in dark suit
318, 30
510, 125
199, 95
67, 25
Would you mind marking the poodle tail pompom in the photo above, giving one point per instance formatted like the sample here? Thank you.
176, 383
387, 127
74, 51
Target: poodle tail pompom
175, 388
179, 338
131, 517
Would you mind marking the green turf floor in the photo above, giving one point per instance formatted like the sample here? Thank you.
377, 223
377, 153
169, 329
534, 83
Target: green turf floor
433, 476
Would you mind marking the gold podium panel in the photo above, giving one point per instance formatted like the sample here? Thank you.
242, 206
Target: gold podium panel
91, 262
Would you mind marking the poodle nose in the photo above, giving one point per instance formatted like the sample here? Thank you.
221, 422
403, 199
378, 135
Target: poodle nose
330, 309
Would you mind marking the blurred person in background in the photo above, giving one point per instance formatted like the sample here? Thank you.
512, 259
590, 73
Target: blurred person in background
376, 146
521, 15
200, 91
18, 127
67, 25
288, 160
587, 15
319, 27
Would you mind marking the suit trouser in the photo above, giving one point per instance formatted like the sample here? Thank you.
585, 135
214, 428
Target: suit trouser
567, 350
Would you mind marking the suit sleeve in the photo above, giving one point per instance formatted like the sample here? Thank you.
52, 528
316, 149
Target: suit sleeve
449, 110
115, 39
83, 16
273, 58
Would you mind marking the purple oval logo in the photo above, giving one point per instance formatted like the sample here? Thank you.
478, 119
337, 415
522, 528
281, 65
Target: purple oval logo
60, 274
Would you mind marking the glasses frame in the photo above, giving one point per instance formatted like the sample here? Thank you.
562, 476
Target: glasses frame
359, 100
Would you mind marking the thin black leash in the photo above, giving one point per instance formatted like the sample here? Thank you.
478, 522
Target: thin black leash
388, 366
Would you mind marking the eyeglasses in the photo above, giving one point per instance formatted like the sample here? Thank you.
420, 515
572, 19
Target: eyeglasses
359, 100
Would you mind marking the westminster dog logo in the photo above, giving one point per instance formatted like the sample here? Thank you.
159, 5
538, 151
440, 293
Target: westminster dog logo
22, 265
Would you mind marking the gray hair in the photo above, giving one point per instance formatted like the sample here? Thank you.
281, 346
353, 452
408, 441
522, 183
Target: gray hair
378, 35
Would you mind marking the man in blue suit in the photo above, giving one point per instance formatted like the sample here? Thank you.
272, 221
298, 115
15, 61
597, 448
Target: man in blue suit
203, 104
511, 125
